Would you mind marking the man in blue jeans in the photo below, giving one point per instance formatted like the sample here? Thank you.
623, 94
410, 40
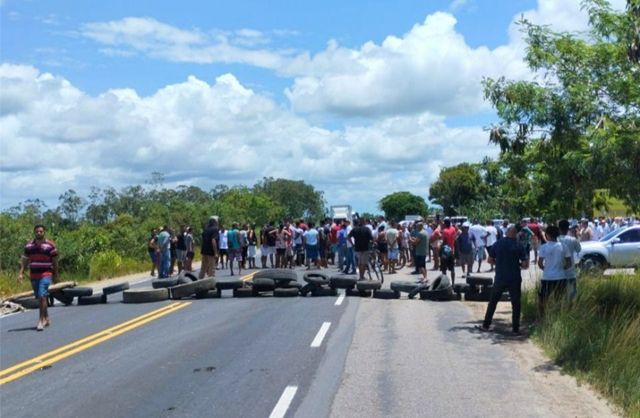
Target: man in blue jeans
509, 257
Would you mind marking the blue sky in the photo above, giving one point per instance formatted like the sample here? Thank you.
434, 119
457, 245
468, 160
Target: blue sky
358, 98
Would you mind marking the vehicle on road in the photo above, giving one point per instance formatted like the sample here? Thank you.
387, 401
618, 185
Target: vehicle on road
617, 249
341, 212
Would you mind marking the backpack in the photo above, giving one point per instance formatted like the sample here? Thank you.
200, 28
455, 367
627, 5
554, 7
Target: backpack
446, 252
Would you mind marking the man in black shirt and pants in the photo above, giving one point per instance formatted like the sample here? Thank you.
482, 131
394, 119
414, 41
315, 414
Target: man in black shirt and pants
209, 249
361, 238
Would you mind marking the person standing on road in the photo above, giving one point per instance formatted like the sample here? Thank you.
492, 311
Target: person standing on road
189, 245
223, 245
41, 257
492, 237
421, 242
152, 247
181, 247
510, 258
393, 238
479, 234
553, 259
311, 243
235, 249
447, 250
209, 249
244, 243
164, 246
464, 249
253, 246
574, 247
361, 237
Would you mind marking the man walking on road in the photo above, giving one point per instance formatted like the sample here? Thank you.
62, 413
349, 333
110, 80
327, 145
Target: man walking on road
209, 249
41, 256
361, 238
509, 257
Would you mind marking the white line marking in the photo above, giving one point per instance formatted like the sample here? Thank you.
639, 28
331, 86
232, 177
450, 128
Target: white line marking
283, 404
320, 335
340, 299
141, 281
11, 314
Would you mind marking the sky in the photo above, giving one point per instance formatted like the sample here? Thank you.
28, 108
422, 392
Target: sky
359, 99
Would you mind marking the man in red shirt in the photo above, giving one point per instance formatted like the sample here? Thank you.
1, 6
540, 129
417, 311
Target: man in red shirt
333, 237
41, 256
536, 239
447, 257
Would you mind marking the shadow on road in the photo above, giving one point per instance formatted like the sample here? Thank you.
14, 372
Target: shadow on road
500, 332
22, 329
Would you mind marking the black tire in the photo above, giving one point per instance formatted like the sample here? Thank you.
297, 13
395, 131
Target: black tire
190, 275
480, 281
263, 285
110, 290
211, 294
191, 288
145, 295
28, 303
456, 296
437, 294
290, 284
472, 289
92, 300
324, 291
441, 282
368, 285
308, 288
283, 283
184, 280
476, 297
77, 291
61, 297
227, 284
286, 292
164, 283
460, 288
386, 294
361, 293
405, 287
593, 265
343, 282
243, 292
316, 278
277, 274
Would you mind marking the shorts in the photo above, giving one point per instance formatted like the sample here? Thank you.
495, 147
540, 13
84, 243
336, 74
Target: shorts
264, 251
280, 251
181, 255
421, 262
334, 248
272, 249
448, 263
479, 254
288, 252
383, 248
393, 254
362, 258
312, 252
152, 256
190, 255
173, 252
552, 287
245, 251
252, 251
466, 258
299, 249
223, 251
41, 287
235, 254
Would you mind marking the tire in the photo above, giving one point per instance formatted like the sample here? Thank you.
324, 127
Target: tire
456, 296
286, 292
343, 282
211, 294
461, 288
283, 283
189, 275
308, 288
359, 293
386, 294
92, 300
184, 280
441, 282
229, 284
592, 265
263, 285
324, 291
316, 278
437, 294
368, 285
145, 295
405, 287
277, 274
472, 289
243, 292
164, 283
77, 292
291, 284
110, 290
476, 297
61, 297
479, 281
191, 288
28, 303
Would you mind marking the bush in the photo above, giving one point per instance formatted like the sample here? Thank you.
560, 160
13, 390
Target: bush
109, 264
596, 336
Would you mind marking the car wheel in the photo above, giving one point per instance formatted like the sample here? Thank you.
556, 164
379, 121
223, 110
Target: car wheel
592, 265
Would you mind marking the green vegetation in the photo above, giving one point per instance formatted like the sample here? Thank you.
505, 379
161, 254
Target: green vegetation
398, 205
596, 336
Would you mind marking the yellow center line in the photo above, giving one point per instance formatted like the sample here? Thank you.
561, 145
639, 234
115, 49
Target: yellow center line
248, 276
90, 342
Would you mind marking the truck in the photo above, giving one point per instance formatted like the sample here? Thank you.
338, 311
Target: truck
341, 212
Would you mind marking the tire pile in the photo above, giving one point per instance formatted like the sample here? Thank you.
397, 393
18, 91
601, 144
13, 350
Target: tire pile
66, 296
478, 289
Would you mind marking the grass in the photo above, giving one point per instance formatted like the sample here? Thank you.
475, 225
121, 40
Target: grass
596, 336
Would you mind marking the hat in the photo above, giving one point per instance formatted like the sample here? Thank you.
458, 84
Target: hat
466, 225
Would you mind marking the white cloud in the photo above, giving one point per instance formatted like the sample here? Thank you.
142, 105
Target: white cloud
459, 4
56, 137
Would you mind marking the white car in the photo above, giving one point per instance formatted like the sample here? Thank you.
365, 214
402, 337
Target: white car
617, 249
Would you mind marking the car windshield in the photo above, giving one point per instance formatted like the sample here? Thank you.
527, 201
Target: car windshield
611, 235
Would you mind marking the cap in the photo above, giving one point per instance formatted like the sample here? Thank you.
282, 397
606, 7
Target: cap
466, 225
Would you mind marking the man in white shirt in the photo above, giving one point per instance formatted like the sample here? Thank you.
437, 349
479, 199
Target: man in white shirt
478, 237
492, 237
553, 259
392, 243
574, 248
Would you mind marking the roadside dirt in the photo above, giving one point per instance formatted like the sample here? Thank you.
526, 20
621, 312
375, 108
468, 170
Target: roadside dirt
566, 398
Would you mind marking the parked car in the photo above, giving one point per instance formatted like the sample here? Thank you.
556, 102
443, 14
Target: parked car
617, 249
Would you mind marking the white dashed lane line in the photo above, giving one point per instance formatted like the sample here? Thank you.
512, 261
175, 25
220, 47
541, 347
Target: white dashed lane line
340, 299
317, 342
285, 401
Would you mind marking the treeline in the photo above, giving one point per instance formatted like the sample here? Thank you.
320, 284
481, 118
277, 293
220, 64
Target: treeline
110, 227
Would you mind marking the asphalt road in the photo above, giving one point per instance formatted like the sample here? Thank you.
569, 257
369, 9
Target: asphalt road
263, 357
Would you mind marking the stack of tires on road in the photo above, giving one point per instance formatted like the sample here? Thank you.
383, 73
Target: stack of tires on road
440, 289
66, 296
477, 289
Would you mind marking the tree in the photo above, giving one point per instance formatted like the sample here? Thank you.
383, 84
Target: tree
578, 122
70, 206
299, 199
456, 187
400, 204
